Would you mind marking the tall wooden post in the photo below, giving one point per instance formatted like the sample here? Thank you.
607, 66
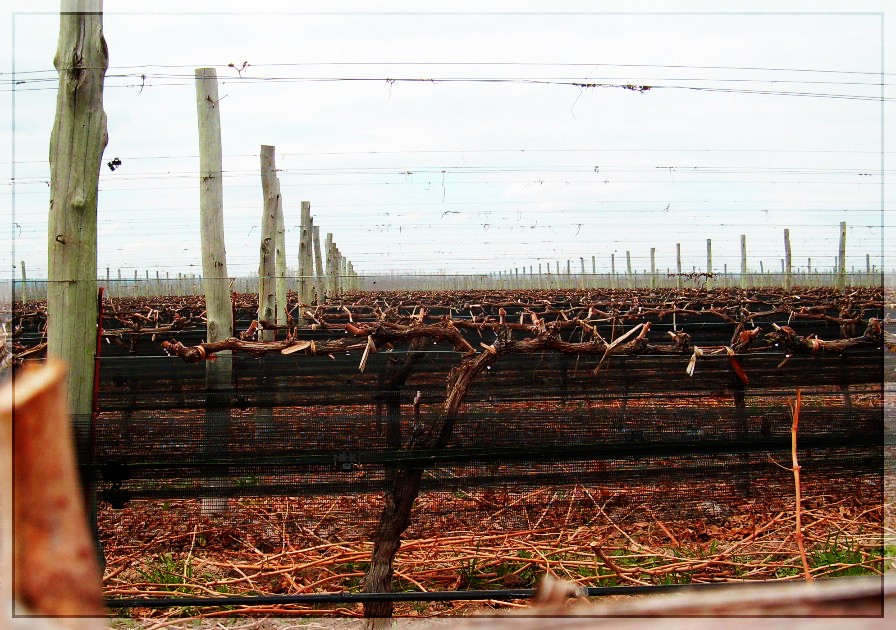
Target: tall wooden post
215, 279
788, 261
24, 290
267, 290
743, 261
318, 263
337, 271
677, 265
77, 142
628, 269
306, 257
612, 271
708, 263
653, 267
280, 284
841, 258
331, 266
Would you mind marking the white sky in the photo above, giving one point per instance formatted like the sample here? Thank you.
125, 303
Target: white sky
475, 176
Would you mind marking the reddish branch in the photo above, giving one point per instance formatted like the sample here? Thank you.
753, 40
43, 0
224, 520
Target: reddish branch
797, 344
543, 337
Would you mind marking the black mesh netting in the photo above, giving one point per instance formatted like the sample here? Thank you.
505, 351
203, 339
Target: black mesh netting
538, 435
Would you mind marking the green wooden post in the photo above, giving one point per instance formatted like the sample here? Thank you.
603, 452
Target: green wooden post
77, 142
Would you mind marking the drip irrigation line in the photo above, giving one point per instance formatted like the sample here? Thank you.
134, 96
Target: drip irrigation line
413, 596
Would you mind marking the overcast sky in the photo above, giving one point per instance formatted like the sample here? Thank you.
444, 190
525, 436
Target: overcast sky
754, 122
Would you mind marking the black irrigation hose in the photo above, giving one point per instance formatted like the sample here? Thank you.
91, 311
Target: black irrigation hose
414, 596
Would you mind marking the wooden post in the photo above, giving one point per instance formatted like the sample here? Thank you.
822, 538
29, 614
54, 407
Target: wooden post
331, 266
841, 258
743, 261
267, 291
77, 142
628, 269
653, 267
708, 263
53, 558
612, 271
788, 261
24, 290
678, 265
215, 279
280, 284
306, 267
337, 270
318, 264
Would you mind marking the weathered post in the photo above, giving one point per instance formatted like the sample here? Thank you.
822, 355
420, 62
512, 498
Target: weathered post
612, 271
743, 261
628, 269
306, 260
653, 267
24, 290
678, 265
708, 263
77, 142
331, 265
280, 283
318, 264
215, 280
267, 291
841, 258
788, 261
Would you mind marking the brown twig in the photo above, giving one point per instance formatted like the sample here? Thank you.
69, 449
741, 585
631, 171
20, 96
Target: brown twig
795, 411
